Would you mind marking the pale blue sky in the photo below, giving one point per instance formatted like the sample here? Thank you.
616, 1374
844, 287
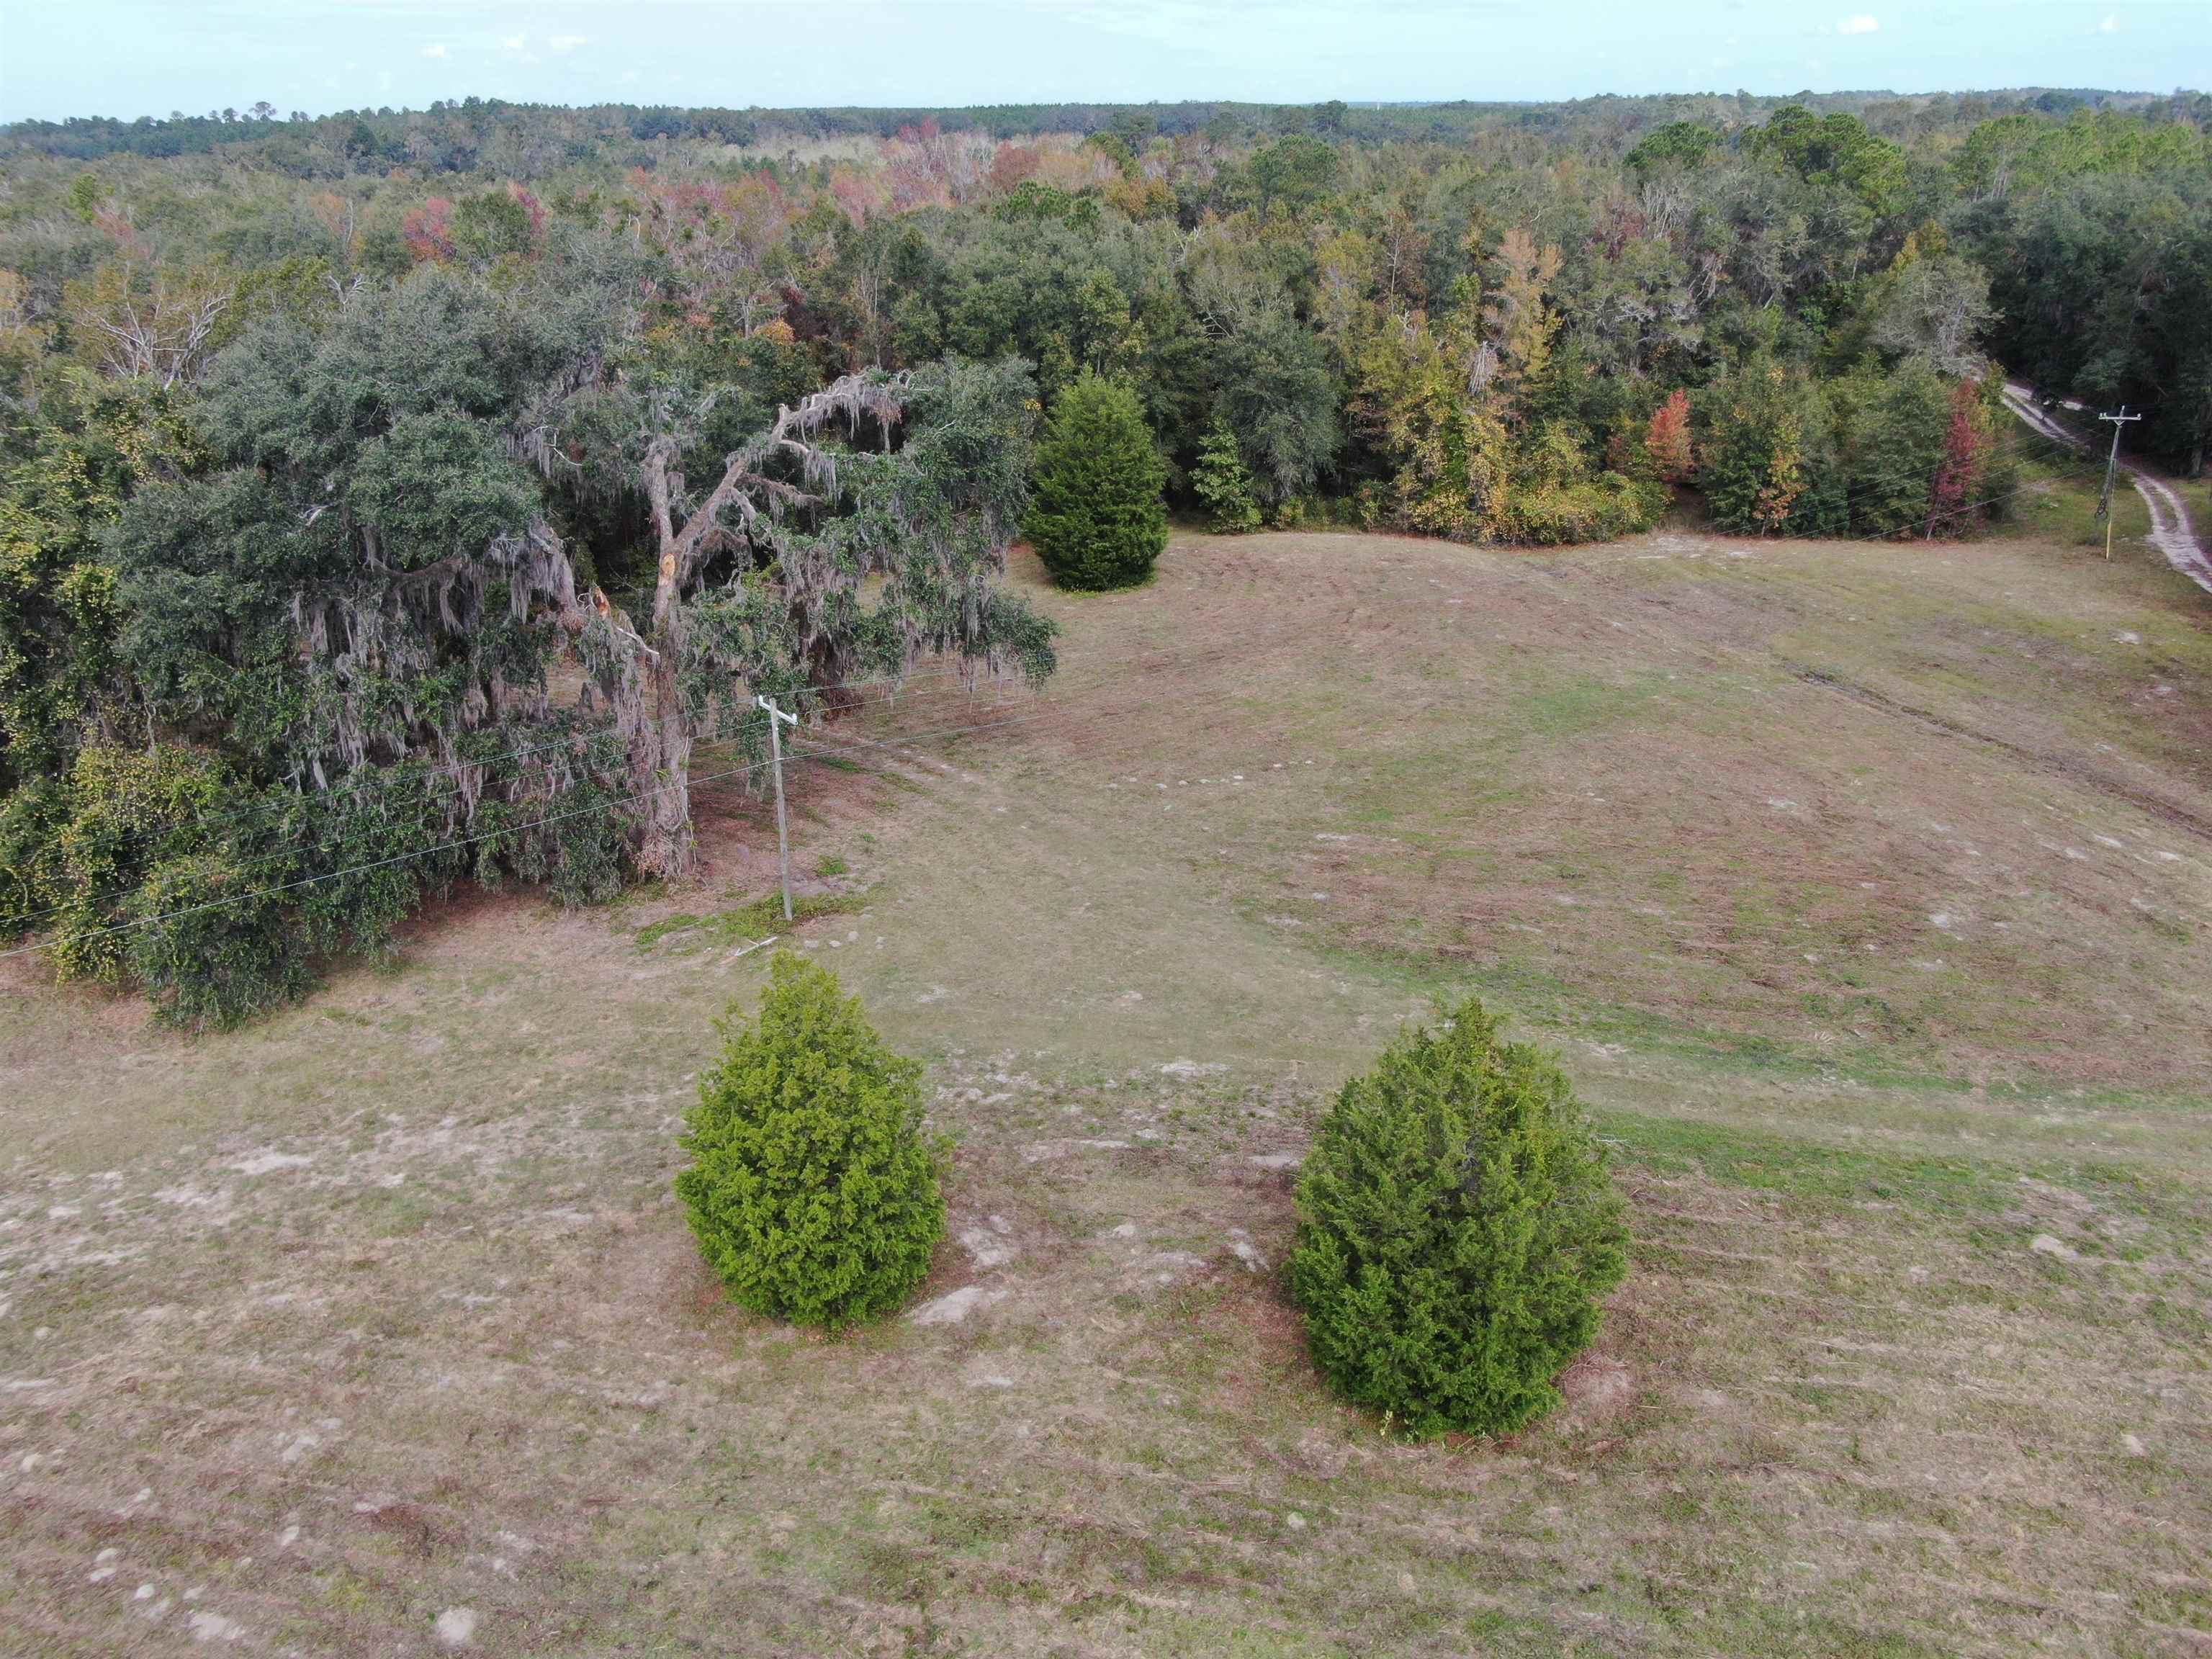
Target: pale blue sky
131, 58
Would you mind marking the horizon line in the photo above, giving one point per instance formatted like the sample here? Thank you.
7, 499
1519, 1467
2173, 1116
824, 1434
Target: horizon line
441, 105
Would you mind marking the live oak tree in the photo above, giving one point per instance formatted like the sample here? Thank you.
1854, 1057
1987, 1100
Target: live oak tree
758, 584
349, 607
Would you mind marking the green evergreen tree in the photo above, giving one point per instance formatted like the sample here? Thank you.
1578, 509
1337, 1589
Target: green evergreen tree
1096, 518
1224, 483
1899, 432
1457, 1227
813, 1185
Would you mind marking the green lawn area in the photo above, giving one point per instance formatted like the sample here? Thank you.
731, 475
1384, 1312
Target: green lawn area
1866, 888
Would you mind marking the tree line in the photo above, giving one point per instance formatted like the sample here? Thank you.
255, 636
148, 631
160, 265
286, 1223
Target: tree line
333, 447
449, 133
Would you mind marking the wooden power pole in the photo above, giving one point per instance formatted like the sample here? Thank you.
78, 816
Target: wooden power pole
777, 720
2112, 466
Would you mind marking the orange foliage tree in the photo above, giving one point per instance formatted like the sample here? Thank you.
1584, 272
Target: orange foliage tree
1667, 440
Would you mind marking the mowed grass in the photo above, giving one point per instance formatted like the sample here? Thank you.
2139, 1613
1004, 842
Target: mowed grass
1867, 890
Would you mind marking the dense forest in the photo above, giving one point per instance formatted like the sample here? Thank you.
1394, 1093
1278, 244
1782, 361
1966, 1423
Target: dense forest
395, 498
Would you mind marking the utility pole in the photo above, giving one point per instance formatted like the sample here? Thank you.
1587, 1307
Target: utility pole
2111, 465
776, 721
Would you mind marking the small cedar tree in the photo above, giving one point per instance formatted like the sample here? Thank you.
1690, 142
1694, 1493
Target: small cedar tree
1457, 1229
813, 1184
1096, 518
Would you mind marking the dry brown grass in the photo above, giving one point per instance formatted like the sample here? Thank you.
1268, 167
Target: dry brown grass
1914, 1359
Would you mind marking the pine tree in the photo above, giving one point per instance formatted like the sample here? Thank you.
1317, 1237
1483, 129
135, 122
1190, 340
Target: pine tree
1096, 518
1224, 483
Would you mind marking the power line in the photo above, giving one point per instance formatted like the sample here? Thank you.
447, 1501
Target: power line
367, 780
711, 735
383, 783
376, 864
510, 830
706, 738
814, 753
1735, 932
2112, 466
382, 780
466, 841
776, 720
2113, 462
824, 753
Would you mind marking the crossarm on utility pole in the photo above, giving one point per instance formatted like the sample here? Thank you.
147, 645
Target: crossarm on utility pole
777, 720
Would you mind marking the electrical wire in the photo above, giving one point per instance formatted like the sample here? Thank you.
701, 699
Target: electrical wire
382, 780
328, 843
812, 752
809, 754
703, 740
376, 780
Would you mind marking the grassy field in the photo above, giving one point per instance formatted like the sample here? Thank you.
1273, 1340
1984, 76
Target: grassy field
1867, 890
2056, 504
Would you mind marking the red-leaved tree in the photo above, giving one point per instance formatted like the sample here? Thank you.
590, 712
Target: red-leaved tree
527, 200
1667, 440
1966, 458
429, 231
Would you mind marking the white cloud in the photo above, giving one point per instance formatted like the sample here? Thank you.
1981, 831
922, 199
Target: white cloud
515, 42
568, 42
1861, 24
2110, 26
438, 50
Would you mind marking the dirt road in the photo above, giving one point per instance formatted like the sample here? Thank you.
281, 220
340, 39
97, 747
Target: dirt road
2171, 532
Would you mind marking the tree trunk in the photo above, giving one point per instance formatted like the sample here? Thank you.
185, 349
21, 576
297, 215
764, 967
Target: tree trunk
641, 678
640, 684
656, 727
661, 773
